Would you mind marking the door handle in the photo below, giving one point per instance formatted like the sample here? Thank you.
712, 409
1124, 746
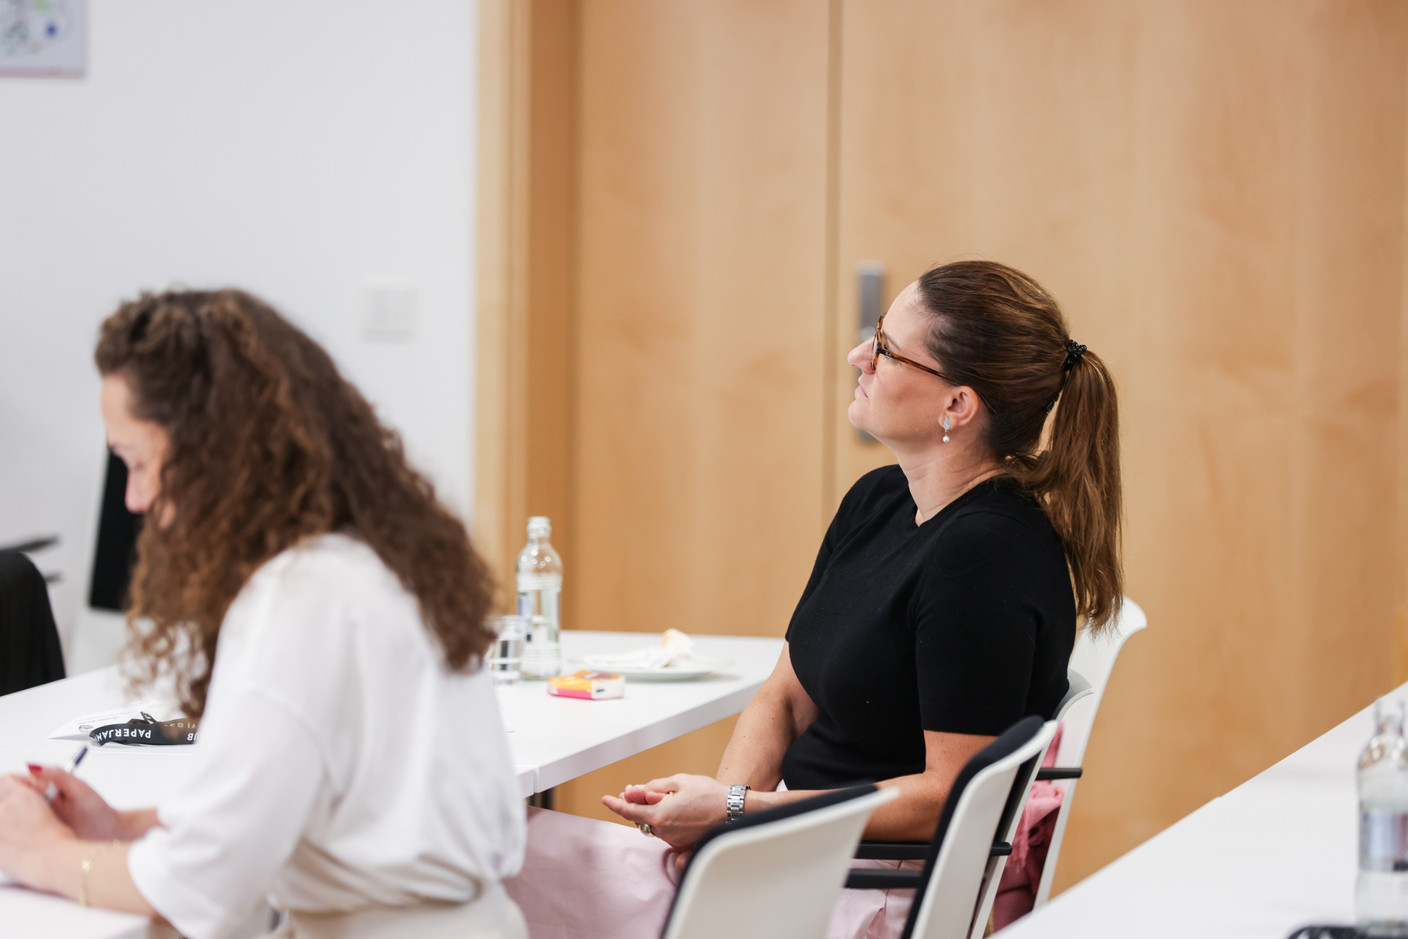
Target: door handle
870, 292
870, 297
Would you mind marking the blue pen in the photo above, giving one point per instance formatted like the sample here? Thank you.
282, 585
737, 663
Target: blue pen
53, 790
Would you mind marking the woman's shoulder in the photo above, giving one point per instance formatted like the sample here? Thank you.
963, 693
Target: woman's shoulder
882, 483
320, 561
321, 582
873, 494
1002, 496
998, 521
326, 605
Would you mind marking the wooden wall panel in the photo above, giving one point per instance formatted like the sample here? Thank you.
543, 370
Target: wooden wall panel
698, 383
1003, 131
979, 130
1214, 193
497, 460
1260, 535
525, 276
1400, 634
699, 378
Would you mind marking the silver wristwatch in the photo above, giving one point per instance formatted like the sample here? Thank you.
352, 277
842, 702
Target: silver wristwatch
735, 802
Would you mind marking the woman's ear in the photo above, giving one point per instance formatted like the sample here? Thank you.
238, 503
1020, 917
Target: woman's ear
962, 407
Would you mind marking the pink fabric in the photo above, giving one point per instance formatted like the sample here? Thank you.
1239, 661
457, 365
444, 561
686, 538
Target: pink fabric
1016, 890
583, 877
872, 914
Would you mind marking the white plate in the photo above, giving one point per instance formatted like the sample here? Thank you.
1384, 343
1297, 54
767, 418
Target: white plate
682, 671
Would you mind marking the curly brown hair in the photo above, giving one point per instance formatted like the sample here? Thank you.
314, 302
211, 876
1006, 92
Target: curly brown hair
268, 445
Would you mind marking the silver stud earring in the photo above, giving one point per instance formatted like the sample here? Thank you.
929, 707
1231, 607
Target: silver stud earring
948, 425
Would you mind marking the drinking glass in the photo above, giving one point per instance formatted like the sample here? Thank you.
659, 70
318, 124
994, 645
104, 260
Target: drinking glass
506, 655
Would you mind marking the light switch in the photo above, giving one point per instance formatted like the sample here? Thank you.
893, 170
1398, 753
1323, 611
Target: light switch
388, 313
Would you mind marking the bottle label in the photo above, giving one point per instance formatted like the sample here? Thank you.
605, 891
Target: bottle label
528, 582
1383, 840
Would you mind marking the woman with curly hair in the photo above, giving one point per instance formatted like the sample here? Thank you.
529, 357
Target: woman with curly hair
322, 613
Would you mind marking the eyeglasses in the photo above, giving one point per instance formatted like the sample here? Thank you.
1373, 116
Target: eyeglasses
881, 348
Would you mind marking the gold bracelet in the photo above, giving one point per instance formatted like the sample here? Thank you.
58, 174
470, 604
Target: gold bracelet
84, 866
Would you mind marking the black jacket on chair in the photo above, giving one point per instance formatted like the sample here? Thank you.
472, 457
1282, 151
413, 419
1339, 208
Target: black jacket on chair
29, 641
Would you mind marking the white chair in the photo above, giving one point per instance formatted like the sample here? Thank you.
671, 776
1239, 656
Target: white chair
1093, 659
1078, 689
949, 887
773, 874
945, 904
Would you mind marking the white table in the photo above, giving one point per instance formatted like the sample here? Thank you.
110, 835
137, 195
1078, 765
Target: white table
1278, 852
559, 739
552, 740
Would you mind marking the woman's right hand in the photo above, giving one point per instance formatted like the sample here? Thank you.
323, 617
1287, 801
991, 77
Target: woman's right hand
679, 809
76, 804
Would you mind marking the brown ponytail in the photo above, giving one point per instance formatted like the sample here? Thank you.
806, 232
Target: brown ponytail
997, 331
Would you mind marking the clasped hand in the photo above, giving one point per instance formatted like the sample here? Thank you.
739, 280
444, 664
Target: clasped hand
679, 809
27, 820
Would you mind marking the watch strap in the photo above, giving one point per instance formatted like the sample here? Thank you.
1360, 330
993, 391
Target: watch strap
736, 795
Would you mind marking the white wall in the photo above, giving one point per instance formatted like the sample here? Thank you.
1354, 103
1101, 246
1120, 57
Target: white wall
297, 150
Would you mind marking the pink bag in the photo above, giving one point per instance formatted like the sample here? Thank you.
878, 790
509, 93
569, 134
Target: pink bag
1016, 890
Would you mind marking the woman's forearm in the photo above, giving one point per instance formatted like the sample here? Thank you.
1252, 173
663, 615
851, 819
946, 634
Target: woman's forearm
914, 816
135, 823
777, 715
93, 872
764, 731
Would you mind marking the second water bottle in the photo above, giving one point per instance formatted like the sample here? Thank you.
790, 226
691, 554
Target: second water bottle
539, 578
1381, 894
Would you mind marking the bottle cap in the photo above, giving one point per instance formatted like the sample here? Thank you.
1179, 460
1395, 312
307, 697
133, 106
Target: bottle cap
539, 526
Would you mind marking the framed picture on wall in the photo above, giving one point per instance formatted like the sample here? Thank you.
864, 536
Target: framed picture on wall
43, 38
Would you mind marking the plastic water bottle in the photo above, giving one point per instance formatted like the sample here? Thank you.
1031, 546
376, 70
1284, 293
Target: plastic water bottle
539, 587
1381, 893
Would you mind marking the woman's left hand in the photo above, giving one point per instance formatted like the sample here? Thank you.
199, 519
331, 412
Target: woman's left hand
678, 809
26, 823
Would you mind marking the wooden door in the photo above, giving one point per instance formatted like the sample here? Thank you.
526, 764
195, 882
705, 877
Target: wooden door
1215, 193
699, 375
677, 195
687, 466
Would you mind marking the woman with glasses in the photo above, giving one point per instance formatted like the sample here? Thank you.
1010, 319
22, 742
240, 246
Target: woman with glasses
944, 601
297, 580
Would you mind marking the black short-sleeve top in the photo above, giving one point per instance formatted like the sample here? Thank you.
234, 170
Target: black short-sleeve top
963, 624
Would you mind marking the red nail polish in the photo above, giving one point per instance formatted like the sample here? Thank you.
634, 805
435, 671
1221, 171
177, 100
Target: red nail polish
34, 767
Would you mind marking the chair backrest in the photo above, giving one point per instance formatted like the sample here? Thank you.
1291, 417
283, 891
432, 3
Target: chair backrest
30, 653
1077, 690
1093, 659
946, 899
775, 873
